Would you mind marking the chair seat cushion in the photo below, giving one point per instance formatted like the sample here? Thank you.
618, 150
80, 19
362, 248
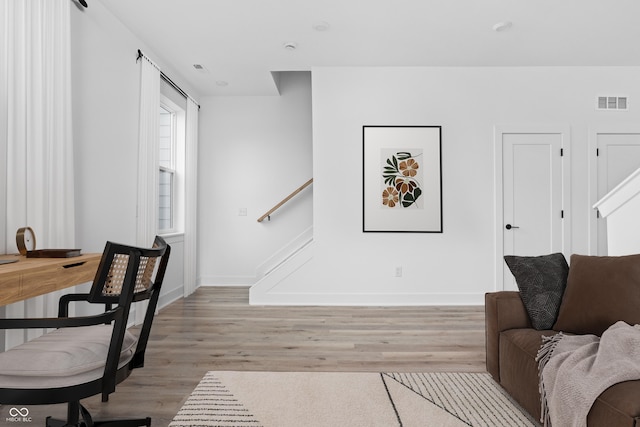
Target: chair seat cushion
61, 358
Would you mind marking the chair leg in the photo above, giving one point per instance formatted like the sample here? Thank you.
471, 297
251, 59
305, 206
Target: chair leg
73, 417
86, 417
124, 423
75, 410
89, 422
52, 422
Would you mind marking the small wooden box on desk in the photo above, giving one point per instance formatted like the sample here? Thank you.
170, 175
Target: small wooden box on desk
31, 277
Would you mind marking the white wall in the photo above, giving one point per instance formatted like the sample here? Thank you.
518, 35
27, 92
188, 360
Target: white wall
254, 151
106, 86
457, 266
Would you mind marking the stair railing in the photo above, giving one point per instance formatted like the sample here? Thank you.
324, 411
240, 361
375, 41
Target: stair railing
285, 200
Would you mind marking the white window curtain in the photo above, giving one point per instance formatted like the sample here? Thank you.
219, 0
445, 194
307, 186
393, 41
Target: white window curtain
191, 197
148, 146
37, 140
148, 161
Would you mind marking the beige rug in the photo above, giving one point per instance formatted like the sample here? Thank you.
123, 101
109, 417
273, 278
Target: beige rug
306, 399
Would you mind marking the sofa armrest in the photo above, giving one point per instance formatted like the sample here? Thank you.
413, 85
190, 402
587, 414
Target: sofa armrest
504, 310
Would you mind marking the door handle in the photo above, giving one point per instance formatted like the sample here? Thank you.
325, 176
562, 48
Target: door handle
509, 226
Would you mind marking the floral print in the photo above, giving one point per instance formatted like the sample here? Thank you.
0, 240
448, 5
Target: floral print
390, 197
409, 168
404, 185
399, 174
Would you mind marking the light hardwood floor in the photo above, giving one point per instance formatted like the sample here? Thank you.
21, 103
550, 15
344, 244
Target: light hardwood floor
216, 329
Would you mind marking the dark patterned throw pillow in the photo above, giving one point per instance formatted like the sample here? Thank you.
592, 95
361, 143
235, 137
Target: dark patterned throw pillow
541, 281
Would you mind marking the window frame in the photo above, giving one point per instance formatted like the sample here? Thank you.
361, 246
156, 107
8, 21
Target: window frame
177, 168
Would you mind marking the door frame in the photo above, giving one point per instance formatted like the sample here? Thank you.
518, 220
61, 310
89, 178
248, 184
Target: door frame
593, 172
564, 130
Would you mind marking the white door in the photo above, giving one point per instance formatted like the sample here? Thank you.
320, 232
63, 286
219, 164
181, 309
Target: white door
618, 157
532, 197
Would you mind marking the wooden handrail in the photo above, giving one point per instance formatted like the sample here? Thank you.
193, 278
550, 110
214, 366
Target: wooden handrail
285, 200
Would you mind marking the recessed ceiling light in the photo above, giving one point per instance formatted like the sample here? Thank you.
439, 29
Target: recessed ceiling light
290, 45
321, 26
502, 26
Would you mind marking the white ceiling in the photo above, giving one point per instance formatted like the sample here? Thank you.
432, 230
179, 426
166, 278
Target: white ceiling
241, 41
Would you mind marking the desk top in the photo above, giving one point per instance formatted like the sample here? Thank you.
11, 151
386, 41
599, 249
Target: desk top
30, 277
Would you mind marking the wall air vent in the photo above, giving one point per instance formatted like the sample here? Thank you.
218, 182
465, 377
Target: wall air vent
619, 103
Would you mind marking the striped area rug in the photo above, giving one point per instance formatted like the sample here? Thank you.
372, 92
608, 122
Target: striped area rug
283, 399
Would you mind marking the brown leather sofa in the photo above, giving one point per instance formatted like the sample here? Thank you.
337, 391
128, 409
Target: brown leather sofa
512, 345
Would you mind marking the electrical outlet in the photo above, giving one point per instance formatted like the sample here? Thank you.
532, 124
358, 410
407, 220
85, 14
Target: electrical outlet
242, 211
399, 271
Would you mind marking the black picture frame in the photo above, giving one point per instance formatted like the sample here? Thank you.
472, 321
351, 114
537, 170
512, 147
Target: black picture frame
402, 179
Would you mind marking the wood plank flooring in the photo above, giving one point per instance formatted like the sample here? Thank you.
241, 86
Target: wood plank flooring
216, 329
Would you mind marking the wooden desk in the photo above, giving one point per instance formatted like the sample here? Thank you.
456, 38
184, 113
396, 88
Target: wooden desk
30, 277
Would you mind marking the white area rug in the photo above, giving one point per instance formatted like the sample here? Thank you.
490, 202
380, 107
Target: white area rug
332, 399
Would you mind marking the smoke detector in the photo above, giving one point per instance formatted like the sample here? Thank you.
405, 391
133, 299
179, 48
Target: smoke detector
320, 26
290, 46
502, 26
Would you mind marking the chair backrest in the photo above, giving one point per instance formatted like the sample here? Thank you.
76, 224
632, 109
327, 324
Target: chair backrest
128, 274
150, 293
112, 271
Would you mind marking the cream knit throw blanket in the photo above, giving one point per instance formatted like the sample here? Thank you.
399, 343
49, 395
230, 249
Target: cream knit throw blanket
576, 369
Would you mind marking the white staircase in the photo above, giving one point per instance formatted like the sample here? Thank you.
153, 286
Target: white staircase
279, 266
621, 208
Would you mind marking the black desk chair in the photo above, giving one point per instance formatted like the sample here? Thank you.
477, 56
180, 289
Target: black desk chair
87, 355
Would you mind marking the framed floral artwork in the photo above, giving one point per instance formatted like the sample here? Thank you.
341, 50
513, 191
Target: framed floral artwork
402, 179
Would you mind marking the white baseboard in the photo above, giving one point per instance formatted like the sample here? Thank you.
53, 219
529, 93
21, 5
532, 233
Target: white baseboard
170, 297
227, 281
224, 285
364, 299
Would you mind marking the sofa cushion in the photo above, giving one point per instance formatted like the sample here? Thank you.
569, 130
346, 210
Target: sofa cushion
504, 310
518, 366
541, 281
616, 406
600, 291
